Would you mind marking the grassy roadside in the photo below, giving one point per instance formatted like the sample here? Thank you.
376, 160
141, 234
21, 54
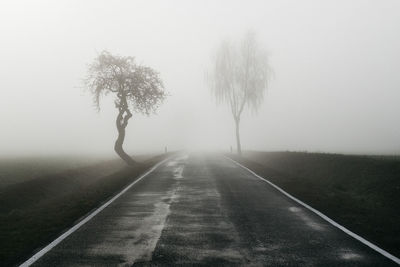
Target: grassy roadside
34, 212
360, 192
15, 170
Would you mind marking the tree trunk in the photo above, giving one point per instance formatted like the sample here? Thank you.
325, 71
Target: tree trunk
122, 122
238, 145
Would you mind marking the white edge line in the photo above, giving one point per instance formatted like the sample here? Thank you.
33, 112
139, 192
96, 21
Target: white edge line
46, 249
323, 216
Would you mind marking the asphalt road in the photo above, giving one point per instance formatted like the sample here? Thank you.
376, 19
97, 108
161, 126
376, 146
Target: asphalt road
205, 210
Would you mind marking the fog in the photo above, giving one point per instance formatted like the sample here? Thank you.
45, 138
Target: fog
335, 88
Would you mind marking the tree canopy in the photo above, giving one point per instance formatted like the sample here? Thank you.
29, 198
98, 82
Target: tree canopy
139, 85
240, 74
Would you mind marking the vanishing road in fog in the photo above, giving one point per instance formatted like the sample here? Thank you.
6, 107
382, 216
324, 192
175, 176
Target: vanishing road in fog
206, 210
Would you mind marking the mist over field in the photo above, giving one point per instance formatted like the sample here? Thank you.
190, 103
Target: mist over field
335, 88
212, 133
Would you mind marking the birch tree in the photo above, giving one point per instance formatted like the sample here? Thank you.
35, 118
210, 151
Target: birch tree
239, 77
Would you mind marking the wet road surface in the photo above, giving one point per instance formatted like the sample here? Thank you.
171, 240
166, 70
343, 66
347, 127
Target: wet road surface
205, 210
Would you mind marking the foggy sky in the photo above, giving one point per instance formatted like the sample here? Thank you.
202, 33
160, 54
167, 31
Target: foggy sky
336, 85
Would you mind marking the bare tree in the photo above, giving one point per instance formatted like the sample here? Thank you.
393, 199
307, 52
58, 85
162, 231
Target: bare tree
136, 88
239, 77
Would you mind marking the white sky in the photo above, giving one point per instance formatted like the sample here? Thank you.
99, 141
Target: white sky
336, 64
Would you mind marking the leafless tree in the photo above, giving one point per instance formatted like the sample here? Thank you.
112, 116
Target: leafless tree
239, 77
136, 88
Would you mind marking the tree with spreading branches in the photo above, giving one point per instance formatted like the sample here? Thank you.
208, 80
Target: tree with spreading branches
239, 77
136, 88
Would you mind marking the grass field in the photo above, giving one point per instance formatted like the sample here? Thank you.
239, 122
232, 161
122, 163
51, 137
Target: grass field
20, 169
38, 207
360, 192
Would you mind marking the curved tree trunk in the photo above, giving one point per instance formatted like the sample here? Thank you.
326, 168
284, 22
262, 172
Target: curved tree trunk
238, 145
122, 122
